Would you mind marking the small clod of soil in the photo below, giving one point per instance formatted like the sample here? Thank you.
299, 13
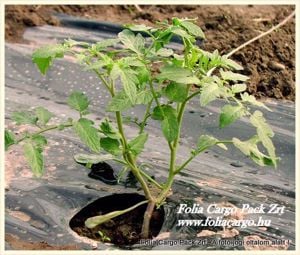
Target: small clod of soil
122, 230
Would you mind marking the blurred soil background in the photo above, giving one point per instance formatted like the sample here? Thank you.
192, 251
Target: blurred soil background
270, 62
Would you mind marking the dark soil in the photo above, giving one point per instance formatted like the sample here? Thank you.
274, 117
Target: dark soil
270, 62
122, 230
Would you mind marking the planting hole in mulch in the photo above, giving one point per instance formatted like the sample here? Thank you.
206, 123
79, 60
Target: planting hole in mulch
122, 230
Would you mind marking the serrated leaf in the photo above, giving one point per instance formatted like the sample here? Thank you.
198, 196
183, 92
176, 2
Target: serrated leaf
128, 79
108, 130
249, 148
131, 61
106, 43
143, 75
144, 97
230, 63
238, 88
34, 158
193, 29
176, 92
87, 133
9, 139
252, 100
43, 115
110, 145
165, 52
228, 75
92, 158
181, 32
264, 133
230, 113
137, 144
39, 140
97, 220
257, 119
138, 27
24, 117
157, 113
132, 42
206, 141
78, 101
169, 124
44, 56
177, 74
210, 92
120, 102
95, 65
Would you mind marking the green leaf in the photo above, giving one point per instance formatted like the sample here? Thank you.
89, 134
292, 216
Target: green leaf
252, 100
95, 65
157, 114
97, 220
43, 115
44, 56
120, 102
182, 33
210, 92
249, 148
143, 75
264, 133
34, 157
137, 144
9, 139
138, 27
169, 124
106, 43
110, 145
92, 158
108, 130
24, 117
177, 74
228, 75
165, 52
78, 101
87, 133
176, 92
238, 88
231, 64
193, 29
39, 141
206, 141
230, 113
128, 79
144, 97
132, 42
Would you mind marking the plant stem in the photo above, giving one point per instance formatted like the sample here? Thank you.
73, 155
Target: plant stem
193, 156
43, 131
146, 116
128, 157
147, 218
151, 180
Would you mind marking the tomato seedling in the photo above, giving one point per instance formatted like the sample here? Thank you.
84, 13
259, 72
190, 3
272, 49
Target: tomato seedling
165, 81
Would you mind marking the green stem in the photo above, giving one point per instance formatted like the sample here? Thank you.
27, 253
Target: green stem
151, 180
129, 159
194, 155
146, 116
43, 131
